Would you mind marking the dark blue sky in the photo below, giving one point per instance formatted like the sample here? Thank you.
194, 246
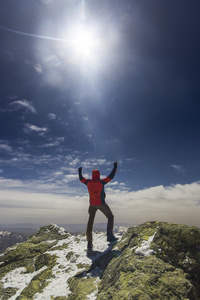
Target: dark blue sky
133, 96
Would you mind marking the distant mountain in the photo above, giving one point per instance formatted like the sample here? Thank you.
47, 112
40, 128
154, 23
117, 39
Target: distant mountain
8, 239
29, 228
154, 260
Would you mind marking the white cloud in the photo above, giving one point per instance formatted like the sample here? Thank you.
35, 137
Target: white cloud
177, 203
49, 145
178, 168
71, 177
53, 142
58, 173
28, 105
5, 148
94, 163
51, 116
74, 162
64, 198
30, 127
41, 208
114, 183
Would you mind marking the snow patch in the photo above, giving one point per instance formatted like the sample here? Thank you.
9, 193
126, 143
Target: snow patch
71, 259
66, 268
18, 279
144, 249
61, 230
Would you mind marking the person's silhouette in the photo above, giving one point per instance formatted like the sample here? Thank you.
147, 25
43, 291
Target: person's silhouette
97, 201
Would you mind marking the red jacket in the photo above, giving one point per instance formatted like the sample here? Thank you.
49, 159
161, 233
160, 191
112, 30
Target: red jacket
96, 186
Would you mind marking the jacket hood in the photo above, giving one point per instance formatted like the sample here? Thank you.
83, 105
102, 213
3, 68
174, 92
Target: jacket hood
95, 174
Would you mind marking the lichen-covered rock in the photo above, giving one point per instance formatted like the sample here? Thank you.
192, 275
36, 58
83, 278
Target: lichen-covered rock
158, 261
81, 287
44, 260
143, 278
37, 284
50, 232
30, 257
7, 292
155, 260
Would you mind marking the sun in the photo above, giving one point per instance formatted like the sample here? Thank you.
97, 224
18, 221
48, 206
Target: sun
85, 43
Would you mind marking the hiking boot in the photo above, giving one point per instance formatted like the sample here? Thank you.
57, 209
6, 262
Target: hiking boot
111, 238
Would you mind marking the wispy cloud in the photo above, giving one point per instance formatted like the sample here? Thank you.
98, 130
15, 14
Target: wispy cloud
27, 105
51, 116
5, 147
50, 145
70, 178
92, 163
178, 168
33, 128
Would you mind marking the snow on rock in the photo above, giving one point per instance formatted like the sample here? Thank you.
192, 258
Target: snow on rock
57, 252
19, 279
60, 230
70, 252
53, 264
70, 260
144, 249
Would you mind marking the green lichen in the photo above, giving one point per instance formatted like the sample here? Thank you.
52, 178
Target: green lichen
136, 235
69, 255
172, 273
44, 260
81, 287
81, 266
22, 256
30, 268
7, 292
50, 232
37, 284
64, 246
137, 278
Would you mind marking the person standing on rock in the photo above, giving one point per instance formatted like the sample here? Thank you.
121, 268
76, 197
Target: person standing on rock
97, 201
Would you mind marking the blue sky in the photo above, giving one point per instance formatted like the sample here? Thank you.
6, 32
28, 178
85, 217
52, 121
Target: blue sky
87, 83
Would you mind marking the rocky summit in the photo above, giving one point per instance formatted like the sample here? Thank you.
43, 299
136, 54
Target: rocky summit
155, 260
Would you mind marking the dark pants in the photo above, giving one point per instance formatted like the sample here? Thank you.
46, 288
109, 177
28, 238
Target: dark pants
105, 209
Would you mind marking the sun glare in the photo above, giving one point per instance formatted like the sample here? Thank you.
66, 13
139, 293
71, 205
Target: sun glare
85, 43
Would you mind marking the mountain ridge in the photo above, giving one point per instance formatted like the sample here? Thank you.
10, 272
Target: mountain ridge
154, 260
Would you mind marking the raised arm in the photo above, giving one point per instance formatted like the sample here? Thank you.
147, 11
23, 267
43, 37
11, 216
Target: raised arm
111, 175
81, 178
80, 173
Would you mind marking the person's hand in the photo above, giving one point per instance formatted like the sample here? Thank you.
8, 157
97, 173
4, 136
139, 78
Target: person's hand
115, 165
80, 169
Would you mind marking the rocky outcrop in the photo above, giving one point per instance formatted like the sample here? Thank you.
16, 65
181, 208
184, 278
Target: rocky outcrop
157, 261
154, 260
